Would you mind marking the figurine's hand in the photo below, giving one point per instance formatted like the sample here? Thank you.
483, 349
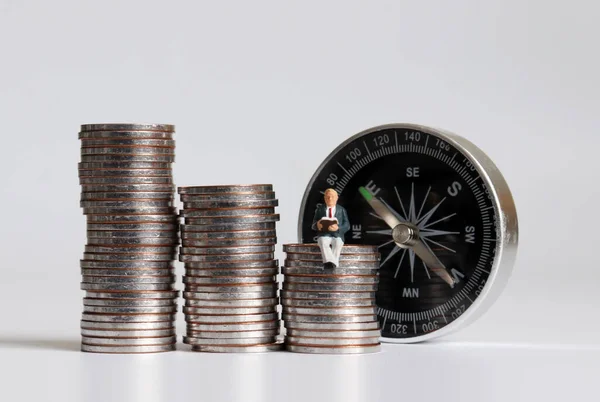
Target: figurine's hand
333, 228
319, 226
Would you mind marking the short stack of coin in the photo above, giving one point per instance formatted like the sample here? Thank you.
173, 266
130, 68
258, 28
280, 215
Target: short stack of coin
330, 311
231, 292
132, 238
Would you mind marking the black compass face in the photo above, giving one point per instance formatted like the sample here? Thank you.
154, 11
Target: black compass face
425, 181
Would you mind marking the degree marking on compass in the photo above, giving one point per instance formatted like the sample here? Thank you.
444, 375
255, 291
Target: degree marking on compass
396, 136
426, 141
454, 156
415, 325
365, 143
445, 319
384, 321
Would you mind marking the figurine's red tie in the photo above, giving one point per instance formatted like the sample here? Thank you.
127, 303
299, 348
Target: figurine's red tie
330, 212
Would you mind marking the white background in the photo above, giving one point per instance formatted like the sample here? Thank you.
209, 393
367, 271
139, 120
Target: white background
261, 92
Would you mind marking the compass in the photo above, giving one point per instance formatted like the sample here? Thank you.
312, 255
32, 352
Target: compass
441, 214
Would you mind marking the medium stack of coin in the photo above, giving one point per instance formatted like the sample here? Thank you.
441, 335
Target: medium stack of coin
330, 310
231, 293
132, 238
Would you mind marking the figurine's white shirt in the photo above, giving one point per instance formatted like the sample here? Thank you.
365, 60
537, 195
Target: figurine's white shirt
332, 212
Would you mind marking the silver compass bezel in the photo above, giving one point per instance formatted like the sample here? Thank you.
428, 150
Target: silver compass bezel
504, 209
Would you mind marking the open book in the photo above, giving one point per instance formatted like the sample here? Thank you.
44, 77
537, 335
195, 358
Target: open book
326, 222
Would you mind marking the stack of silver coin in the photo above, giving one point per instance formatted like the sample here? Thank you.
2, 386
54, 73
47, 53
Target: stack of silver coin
330, 311
231, 291
132, 238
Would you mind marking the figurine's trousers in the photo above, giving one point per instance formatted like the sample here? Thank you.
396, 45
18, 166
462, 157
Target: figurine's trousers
331, 247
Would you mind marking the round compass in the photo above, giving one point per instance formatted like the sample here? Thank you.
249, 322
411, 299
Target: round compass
442, 215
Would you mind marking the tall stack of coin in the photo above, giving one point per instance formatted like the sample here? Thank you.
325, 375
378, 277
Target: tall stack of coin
132, 238
330, 310
231, 292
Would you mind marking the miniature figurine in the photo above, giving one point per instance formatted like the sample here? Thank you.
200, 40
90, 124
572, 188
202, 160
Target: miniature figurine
331, 222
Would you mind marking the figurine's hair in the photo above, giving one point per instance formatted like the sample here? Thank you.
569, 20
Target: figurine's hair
328, 190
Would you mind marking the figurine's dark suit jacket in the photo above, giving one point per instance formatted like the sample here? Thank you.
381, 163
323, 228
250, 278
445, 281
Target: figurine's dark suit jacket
340, 214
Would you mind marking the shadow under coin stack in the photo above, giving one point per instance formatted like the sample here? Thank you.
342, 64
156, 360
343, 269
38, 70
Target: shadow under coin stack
132, 238
330, 311
228, 243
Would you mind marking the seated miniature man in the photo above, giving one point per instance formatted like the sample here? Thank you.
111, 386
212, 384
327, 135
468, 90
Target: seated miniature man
331, 222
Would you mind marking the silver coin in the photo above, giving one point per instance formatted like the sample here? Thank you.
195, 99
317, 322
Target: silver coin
233, 188
322, 334
217, 273
141, 333
128, 257
327, 302
101, 302
145, 227
126, 286
128, 127
136, 241
228, 341
127, 326
165, 135
332, 280
170, 235
231, 289
314, 248
225, 304
266, 241
227, 227
320, 271
329, 319
322, 326
126, 264
227, 257
230, 295
128, 158
128, 272
333, 349
105, 181
230, 204
239, 349
128, 279
318, 264
230, 236
229, 319
89, 173
311, 295
132, 196
223, 313
273, 332
128, 349
227, 212
140, 142
318, 287
230, 220
127, 204
229, 197
130, 249
127, 210
127, 317
226, 281
88, 340
165, 219
124, 165
127, 150
267, 263
133, 295
251, 326
337, 311
319, 257
332, 341
226, 250
127, 188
